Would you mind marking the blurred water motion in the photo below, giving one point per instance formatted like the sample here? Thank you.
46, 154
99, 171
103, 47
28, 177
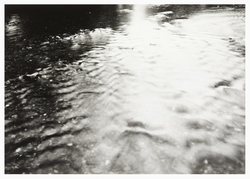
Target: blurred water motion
155, 89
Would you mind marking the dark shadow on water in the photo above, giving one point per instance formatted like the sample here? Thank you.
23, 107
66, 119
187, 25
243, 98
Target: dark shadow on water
59, 19
35, 24
211, 163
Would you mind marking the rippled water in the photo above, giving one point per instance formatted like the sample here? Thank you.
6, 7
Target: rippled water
159, 91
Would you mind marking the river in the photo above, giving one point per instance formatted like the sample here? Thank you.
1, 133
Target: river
125, 89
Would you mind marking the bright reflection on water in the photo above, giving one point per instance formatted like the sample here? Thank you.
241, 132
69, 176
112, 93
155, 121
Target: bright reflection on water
152, 96
13, 28
138, 14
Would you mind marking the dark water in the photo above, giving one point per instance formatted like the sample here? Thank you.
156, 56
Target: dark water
125, 89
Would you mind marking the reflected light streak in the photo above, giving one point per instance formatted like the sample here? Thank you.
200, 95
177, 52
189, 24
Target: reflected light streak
139, 13
140, 27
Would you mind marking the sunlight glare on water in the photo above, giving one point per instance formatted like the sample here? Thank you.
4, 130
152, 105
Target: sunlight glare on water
139, 13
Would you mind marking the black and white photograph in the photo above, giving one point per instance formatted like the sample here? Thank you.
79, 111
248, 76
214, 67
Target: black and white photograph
124, 88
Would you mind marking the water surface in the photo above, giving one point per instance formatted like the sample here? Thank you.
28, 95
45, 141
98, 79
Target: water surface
125, 89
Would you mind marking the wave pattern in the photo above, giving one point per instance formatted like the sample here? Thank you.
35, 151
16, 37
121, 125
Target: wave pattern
167, 100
